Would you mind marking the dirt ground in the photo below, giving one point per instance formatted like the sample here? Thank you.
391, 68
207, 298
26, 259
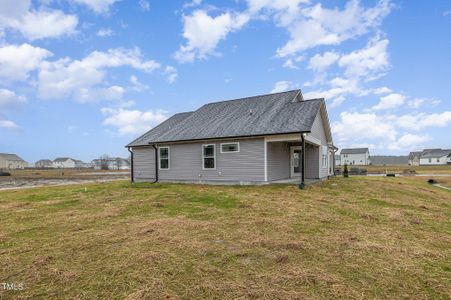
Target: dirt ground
53, 177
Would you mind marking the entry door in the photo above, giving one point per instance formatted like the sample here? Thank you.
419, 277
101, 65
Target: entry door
295, 161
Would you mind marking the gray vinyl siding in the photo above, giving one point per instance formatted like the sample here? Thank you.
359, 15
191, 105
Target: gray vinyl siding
318, 132
278, 160
185, 164
144, 164
312, 161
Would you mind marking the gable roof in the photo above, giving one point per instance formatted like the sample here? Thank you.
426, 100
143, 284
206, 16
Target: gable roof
432, 153
9, 156
44, 161
62, 159
260, 115
354, 151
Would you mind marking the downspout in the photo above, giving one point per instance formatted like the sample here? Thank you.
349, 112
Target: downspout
156, 162
131, 164
302, 184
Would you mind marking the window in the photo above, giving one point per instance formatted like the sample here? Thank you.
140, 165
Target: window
430, 159
164, 157
230, 147
324, 156
438, 159
208, 156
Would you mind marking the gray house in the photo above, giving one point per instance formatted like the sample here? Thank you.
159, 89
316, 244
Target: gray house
258, 139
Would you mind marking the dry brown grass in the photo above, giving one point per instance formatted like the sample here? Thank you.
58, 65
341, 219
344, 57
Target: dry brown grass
443, 169
354, 238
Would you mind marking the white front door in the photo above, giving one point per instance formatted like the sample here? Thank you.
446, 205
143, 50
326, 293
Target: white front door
295, 161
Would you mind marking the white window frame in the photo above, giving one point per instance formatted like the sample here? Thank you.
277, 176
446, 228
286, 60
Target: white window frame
169, 157
238, 147
203, 156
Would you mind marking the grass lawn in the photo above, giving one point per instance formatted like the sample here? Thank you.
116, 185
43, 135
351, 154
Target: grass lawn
441, 169
348, 238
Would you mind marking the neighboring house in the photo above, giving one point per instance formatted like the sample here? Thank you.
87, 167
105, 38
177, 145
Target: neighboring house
387, 160
43, 163
81, 165
337, 160
355, 156
111, 163
64, 162
12, 161
414, 158
435, 157
257, 139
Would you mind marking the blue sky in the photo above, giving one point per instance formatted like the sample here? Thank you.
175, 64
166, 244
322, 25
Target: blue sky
82, 78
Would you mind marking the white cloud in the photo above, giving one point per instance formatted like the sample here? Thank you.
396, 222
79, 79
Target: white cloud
10, 125
98, 6
422, 120
84, 80
316, 26
409, 141
144, 5
291, 62
132, 122
16, 62
284, 11
192, 3
204, 32
282, 86
320, 62
136, 85
354, 126
35, 24
171, 74
416, 103
368, 62
390, 101
105, 32
10, 101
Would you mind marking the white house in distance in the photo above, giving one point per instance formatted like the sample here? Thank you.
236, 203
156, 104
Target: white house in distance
111, 163
44, 163
12, 161
435, 157
64, 163
414, 158
355, 156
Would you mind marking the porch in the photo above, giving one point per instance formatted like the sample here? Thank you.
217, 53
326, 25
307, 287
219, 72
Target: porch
284, 159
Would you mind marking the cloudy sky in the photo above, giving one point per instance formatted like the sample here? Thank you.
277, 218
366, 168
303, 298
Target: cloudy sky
82, 78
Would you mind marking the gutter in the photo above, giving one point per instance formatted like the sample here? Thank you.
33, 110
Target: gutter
131, 165
156, 162
302, 184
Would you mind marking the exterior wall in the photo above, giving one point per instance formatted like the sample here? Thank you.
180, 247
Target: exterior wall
12, 164
144, 164
247, 165
312, 162
318, 132
355, 159
185, 162
278, 160
441, 161
68, 164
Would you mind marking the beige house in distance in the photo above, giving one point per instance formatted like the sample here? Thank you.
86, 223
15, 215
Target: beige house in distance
11, 161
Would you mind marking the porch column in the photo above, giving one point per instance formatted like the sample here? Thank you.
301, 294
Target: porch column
302, 185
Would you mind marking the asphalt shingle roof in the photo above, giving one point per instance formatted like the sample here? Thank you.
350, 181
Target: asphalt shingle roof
432, 153
354, 151
251, 116
8, 156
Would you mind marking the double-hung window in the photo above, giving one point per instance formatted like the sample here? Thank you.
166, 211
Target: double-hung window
208, 156
163, 161
324, 156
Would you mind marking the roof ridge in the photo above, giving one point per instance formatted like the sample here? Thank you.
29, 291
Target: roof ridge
250, 97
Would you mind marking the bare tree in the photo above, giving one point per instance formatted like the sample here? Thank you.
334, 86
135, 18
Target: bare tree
104, 159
